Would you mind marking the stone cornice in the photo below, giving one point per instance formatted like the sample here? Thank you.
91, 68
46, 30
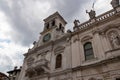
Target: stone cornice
60, 72
41, 76
102, 62
112, 50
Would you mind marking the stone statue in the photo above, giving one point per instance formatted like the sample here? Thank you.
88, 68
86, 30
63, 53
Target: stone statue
76, 23
34, 42
115, 3
92, 14
115, 40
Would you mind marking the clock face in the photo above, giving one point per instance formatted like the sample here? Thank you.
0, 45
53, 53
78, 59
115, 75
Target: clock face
46, 37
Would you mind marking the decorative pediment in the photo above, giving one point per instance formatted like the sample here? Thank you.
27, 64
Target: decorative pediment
86, 38
59, 49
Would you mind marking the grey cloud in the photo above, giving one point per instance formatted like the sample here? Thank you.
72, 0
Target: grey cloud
9, 62
26, 25
4, 62
70, 7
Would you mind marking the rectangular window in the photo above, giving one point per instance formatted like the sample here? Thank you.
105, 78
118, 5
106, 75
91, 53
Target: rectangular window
88, 51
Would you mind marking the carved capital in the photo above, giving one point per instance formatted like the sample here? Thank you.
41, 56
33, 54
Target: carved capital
96, 32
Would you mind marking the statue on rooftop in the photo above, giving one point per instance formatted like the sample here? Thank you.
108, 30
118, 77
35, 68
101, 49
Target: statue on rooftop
92, 14
76, 23
115, 3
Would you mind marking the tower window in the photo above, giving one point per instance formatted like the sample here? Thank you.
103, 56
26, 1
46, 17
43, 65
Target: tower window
47, 26
60, 26
88, 51
58, 61
53, 23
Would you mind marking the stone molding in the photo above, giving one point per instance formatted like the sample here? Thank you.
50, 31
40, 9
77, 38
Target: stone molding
59, 49
98, 63
108, 27
86, 38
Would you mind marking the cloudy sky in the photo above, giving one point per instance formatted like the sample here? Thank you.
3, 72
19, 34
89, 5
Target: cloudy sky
21, 21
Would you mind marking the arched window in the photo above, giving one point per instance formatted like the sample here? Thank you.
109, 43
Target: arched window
47, 26
58, 61
88, 51
53, 23
60, 26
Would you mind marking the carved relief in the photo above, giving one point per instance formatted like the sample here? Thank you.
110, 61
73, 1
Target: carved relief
114, 38
38, 68
30, 61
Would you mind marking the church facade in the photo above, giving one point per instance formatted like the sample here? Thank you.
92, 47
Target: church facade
90, 52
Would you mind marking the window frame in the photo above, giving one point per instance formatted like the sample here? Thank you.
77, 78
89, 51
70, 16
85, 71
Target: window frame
58, 61
88, 55
53, 23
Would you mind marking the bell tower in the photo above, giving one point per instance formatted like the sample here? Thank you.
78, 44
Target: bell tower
54, 27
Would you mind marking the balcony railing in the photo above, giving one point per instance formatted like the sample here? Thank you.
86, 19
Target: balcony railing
98, 19
42, 62
37, 68
106, 15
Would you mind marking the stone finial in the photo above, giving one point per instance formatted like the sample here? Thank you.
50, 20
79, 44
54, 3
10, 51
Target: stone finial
92, 14
76, 23
34, 42
15, 67
115, 3
20, 67
29, 49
